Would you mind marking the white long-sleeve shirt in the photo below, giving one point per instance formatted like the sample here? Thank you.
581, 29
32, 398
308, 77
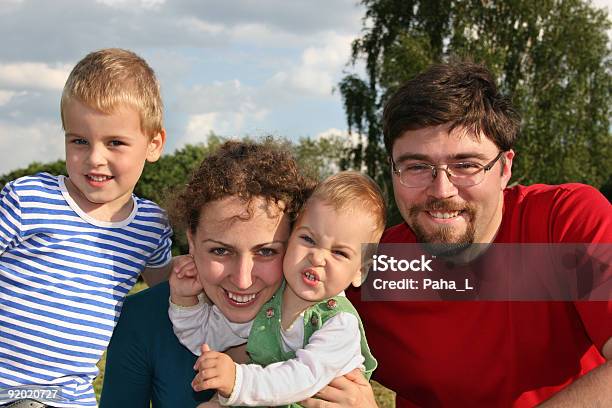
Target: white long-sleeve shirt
204, 323
332, 351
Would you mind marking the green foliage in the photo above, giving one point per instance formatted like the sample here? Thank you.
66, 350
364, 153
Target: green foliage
552, 56
57, 167
322, 157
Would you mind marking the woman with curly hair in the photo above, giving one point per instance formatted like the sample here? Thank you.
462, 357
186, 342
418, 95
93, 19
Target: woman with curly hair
237, 211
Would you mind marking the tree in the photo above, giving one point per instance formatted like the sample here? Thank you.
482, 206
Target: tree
56, 167
322, 157
551, 56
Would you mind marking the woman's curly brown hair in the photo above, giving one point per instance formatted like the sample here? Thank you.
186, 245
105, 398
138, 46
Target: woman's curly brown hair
244, 169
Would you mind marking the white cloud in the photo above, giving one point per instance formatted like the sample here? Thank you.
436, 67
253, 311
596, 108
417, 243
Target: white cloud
20, 145
302, 17
220, 96
225, 107
228, 124
318, 69
200, 126
331, 133
199, 26
221, 123
146, 4
351, 139
6, 96
603, 4
33, 75
262, 35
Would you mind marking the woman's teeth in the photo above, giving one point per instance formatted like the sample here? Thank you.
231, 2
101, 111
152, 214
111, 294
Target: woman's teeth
241, 298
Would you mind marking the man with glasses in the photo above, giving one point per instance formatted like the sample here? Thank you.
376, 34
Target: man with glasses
450, 135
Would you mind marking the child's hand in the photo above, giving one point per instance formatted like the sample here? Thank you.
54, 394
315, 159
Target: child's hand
184, 266
216, 370
184, 283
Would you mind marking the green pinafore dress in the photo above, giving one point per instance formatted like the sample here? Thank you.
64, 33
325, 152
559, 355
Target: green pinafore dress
264, 345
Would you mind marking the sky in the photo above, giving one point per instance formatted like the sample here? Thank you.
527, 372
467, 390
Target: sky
235, 67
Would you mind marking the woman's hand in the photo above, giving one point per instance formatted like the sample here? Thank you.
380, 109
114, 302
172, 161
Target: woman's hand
350, 390
212, 403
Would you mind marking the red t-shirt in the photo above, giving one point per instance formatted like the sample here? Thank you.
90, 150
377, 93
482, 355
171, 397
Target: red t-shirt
496, 354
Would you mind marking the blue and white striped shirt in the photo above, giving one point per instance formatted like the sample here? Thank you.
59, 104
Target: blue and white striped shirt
63, 279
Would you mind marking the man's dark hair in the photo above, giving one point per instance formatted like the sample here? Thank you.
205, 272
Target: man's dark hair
460, 93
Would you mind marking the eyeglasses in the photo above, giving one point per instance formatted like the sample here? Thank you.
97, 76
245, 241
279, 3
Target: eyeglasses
461, 174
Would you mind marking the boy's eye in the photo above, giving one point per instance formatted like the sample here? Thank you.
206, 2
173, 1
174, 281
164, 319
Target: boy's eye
115, 143
219, 251
307, 239
79, 141
266, 252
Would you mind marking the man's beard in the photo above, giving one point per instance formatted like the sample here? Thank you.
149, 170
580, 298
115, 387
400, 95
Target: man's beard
443, 241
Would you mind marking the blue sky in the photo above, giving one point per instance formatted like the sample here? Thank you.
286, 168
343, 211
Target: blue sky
235, 67
232, 67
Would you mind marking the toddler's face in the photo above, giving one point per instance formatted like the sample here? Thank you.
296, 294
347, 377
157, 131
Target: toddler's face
324, 251
105, 155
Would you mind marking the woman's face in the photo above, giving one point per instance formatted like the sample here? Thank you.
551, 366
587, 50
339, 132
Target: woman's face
239, 257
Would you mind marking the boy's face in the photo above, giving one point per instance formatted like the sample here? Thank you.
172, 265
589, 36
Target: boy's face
324, 251
105, 155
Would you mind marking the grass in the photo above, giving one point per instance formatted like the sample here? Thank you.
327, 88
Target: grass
385, 398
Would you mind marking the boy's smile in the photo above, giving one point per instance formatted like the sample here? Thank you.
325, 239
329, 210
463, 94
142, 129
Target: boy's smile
105, 156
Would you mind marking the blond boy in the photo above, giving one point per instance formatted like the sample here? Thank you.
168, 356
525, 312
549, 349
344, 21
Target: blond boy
72, 247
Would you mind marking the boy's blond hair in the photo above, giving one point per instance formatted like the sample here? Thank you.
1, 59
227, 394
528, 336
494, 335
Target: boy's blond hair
110, 78
352, 190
